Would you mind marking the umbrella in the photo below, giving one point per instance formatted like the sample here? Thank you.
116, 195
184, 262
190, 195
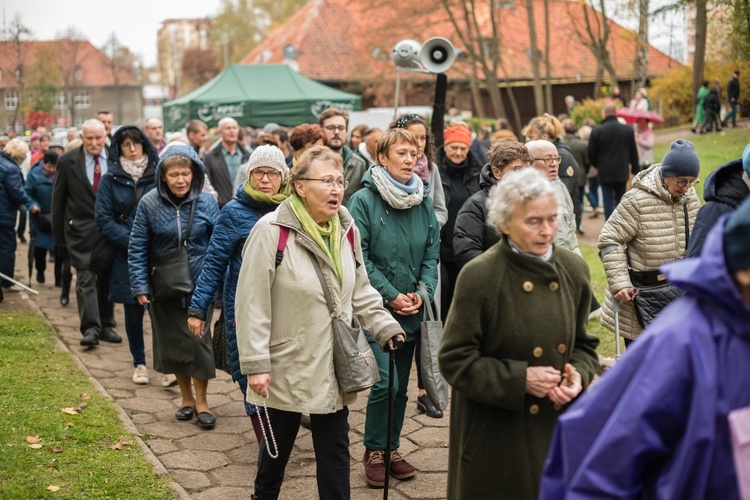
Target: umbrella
32, 245
633, 115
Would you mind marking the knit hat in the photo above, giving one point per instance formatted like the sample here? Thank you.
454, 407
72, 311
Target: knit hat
746, 160
57, 143
737, 238
35, 136
267, 156
681, 160
457, 134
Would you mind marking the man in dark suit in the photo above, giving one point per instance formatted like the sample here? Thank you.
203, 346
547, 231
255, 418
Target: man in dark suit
611, 149
73, 197
223, 161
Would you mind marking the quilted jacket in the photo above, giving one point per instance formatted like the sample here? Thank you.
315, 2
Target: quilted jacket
648, 227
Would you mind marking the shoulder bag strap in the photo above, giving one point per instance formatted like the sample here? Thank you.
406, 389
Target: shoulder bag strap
126, 214
687, 225
281, 245
190, 220
428, 312
326, 290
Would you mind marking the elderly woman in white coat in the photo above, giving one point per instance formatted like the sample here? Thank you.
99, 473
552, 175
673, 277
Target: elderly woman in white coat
284, 327
649, 227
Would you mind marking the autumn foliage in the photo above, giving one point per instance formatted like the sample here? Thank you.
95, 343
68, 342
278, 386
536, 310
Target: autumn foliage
36, 118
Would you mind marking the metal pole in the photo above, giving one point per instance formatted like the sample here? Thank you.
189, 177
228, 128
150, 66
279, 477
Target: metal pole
616, 310
28, 289
398, 85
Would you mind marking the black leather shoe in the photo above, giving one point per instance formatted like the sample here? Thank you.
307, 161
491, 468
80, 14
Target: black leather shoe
39, 277
90, 339
206, 420
424, 405
185, 413
64, 298
110, 336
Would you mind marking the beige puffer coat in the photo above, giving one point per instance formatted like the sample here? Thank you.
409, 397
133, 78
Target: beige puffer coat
283, 324
651, 229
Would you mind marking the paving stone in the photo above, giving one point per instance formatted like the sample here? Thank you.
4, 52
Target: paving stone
247, 454
233, 424
429, 459
191, 480
224, 493
170, 430
299, 487
217, 400
301, 465
146, 404
194, 460
97, 374
153, 390
410, 426
425, 486
161, 446
234, 475
142, 418
214, 441
430, 437
229, 409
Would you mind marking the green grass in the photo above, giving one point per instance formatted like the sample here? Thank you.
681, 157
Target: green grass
599, 284
714, 149
76, 454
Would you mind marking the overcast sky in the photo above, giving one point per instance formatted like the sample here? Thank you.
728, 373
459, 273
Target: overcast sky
135, 22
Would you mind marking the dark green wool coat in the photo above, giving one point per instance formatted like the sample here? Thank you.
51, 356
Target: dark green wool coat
400, 247
509, 312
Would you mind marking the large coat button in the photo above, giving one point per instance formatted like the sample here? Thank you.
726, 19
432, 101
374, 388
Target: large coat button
562, 348
528, 286
538, 352
554, 286
533, 409
557, 406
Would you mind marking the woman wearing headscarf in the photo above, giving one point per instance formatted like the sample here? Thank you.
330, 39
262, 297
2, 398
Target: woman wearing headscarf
160, 226
401, 248
132, 163
265, 189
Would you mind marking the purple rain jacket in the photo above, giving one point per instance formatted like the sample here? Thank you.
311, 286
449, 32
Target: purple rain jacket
656, 425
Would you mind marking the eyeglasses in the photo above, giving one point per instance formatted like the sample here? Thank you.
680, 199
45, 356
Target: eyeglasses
272, 174
549, 161
329, 183
334, 128
684, 183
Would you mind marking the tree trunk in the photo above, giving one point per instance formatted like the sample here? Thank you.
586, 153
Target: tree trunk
538, 95
476, 95
599, 79
547, 63
641, 54
493, 89
699, 60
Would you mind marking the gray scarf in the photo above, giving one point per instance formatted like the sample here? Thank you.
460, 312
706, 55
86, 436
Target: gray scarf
392, 194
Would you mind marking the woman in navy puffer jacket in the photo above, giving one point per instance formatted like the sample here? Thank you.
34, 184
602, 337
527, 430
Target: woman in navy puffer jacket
267, 186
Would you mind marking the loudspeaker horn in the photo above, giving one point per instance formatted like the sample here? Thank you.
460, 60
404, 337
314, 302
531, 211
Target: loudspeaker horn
437, 55
406, 54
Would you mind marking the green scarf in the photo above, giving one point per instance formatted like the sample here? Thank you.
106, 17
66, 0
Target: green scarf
330, 231
261, 197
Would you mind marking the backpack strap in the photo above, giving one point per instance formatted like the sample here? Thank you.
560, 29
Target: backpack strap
350, 237
281, 245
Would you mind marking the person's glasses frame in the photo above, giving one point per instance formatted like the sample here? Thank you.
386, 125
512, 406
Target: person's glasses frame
549, 161
683, 183
259, 174
328, 182
335, 128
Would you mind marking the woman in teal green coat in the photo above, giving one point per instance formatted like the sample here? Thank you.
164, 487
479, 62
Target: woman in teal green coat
515, 347
700, 114
401, 248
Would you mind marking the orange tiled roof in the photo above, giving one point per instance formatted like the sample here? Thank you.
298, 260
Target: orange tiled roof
335, 39
93, 62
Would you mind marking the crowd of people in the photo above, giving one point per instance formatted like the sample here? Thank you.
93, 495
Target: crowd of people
288, 230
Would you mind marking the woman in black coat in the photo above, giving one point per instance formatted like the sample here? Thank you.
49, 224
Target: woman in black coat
712, 109
130, 174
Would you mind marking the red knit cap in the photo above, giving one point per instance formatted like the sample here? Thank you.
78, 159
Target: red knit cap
457, 133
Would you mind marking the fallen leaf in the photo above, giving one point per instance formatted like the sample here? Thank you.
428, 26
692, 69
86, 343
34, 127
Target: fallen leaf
32, 439
106, 481
85, 396
127, 443
68, 425
52, 487
69, 411
117, 446
35, 446
57, 449
82, 406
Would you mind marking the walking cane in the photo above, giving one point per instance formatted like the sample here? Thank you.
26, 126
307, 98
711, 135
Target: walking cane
28, 289
397, 342
616, 311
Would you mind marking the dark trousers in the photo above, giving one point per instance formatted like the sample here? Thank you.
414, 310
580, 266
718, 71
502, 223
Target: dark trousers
7, 253
21, 220
40, 264
611, 194
593, 194
330, 434
711, 121
732, 114
448, 276
94, 308
134, 330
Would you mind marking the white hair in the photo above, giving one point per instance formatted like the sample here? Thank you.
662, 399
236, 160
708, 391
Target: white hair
152, 120
516, 187
93, 123
584, 132
225, 120
535, 146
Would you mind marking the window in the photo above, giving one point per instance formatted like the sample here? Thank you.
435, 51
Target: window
78, 74
82, 99
60, 100
11, 99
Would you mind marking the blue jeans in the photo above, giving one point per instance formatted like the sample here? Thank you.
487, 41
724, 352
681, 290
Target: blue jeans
7, 253
134, 330
611, 193
593, 194
732, 114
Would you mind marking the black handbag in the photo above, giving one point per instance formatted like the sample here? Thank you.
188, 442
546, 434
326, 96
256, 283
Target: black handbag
654, 291
170, 272
219, 339
104, 251
44, 221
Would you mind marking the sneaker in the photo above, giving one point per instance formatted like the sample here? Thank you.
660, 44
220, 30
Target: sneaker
140, 375
424, 405
168, 380
400, 468
374, 467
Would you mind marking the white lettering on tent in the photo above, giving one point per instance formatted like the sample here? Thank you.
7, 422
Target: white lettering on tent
212, 111
175, 114
320, 106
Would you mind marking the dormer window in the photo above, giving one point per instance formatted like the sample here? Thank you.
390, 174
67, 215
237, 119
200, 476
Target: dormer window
78, 74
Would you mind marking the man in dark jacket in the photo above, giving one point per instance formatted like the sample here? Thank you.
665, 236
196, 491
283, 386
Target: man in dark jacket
12, 196
726, 187
611, 149
223, 161
79, 172
578, 149
334, 123
711, 108
733, 96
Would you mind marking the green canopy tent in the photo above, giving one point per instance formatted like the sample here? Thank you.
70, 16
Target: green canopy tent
255, 95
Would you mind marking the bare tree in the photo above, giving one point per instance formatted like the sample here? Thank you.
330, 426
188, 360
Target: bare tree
641, 53
535, 57
18, 34
119, 60
547, 62
70, 43
699, 59
594, 35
